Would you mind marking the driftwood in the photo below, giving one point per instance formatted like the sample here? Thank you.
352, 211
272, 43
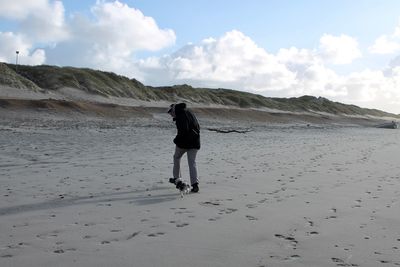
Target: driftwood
389, 125
228, 130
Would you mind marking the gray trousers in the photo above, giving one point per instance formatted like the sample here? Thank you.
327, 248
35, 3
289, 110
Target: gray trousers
191, 156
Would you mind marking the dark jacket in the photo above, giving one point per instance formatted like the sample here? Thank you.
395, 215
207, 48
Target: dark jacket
188, 127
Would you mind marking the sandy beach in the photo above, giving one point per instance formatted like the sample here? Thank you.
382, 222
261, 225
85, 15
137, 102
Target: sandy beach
296, 105
95, 192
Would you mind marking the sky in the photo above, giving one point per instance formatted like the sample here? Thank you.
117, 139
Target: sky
346, 51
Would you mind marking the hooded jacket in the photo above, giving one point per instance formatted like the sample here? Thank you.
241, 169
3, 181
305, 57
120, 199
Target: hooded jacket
188, 135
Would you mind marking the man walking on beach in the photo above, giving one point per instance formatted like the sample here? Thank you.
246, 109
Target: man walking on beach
187, 141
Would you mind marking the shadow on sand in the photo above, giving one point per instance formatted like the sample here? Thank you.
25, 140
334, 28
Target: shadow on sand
145, 197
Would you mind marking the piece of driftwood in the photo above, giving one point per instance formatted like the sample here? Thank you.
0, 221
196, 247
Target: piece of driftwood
389, 125
228, 130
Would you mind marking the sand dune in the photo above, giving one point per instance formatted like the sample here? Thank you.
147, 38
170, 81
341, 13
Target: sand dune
38, 108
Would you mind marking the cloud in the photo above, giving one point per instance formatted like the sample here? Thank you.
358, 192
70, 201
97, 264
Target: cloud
20, 9
38, 21
47, 25
233, 61
42, 21
341, 49
107, 40
111, 38
120, 26
385, 45
298, 57
375, 89
11, 42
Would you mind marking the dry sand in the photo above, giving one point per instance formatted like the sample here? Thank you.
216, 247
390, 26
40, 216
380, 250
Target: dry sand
94, 192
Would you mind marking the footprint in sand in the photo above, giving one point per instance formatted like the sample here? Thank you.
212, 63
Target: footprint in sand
182, 224
19, 245
183, 212
251, 218
340, 262
226, 211
292, 257
210, 203
126, 238
312, 233
155, 234
358, 204
129, 237
48, 235
334, 210
263, 200
292, 240
289, 258
309, 221
363, 225
214, 219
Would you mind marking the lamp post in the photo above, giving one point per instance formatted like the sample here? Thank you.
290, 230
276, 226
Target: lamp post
16, 61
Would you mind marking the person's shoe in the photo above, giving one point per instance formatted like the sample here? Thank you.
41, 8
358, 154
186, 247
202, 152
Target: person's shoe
195, 188
172, 180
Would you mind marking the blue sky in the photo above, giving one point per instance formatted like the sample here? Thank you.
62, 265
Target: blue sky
271, 24
343, 50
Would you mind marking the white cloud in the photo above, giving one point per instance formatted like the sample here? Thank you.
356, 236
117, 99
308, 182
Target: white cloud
364, 86
110, 39
374, 89
11, 42
341, 49
385, 45
122, 27
235, 61
47, 24
107, 40
232, 61
41, 20
20, 9
297, 57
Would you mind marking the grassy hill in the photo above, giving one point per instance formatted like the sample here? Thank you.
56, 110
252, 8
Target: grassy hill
9, 77
107, 84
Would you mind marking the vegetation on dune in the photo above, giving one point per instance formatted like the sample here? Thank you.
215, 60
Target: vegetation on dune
88, 80
10, 78
107, 84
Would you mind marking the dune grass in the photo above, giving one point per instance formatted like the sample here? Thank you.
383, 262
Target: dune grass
108, 84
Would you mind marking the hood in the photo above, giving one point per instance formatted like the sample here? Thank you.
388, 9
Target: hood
179, 108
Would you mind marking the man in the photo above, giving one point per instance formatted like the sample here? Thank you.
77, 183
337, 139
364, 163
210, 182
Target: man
187, 141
